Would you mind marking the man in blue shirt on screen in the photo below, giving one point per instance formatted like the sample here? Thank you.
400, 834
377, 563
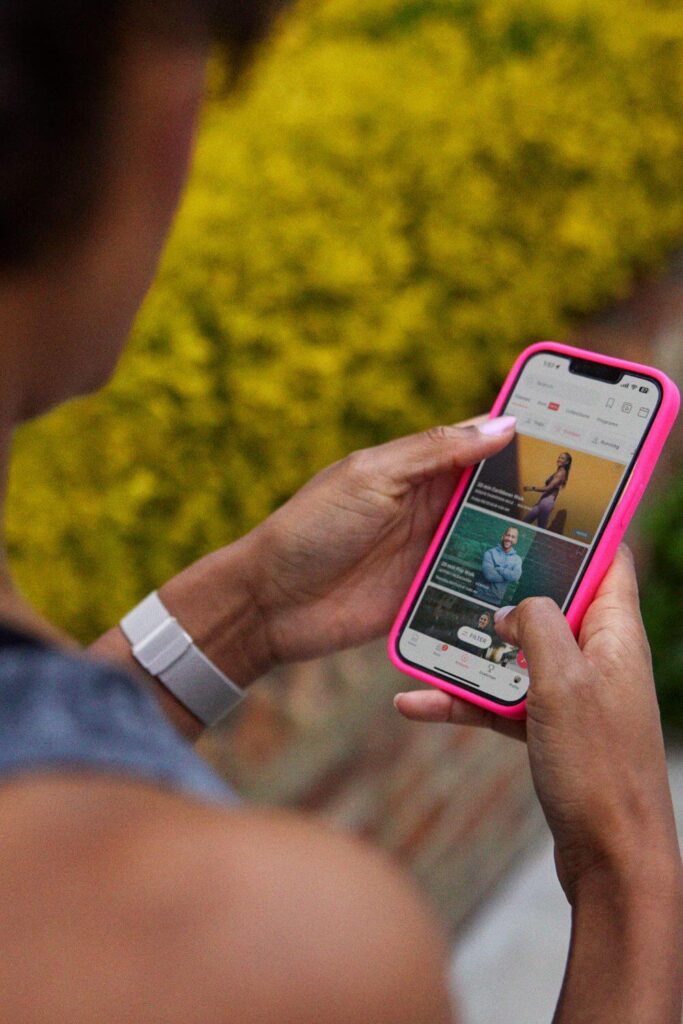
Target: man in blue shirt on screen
500, 565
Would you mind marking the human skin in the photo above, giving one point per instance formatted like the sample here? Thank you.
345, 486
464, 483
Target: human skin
597, 761
509, 538
125, 904
281, 593
583, 720
284, 593
119, 902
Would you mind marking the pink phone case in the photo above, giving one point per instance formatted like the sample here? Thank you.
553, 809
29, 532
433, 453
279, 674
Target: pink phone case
608, 543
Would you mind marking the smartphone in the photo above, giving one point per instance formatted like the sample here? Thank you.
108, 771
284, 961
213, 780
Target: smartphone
543, 517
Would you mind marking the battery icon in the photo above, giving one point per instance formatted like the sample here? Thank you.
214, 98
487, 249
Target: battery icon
644, 390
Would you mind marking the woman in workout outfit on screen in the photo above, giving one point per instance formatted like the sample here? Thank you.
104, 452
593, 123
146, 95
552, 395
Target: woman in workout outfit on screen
554, 484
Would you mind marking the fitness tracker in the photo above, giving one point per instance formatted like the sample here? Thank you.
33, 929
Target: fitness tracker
165, 650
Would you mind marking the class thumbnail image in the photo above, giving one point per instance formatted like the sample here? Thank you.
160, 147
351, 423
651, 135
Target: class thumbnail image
502, 562
462, 624
557, 489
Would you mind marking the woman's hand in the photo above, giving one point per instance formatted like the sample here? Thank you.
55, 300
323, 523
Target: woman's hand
327, 570
333, 564
593, 733
597, 760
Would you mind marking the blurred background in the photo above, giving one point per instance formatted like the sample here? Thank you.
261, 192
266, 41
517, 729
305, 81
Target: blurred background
403, 195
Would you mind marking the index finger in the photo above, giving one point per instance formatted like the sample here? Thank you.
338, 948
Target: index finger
614, 615
617, 596
435, 705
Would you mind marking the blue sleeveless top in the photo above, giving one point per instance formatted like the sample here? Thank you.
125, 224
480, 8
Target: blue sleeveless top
64, 712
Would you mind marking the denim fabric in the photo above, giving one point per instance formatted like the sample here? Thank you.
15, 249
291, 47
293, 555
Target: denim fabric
60, 711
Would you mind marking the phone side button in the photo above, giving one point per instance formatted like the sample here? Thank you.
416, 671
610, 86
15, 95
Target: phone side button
626, 512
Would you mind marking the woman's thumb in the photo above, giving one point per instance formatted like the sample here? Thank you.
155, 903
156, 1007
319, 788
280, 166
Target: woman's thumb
539, 628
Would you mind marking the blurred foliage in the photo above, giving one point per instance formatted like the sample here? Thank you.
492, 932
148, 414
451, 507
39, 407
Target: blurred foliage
408, 192
662, 597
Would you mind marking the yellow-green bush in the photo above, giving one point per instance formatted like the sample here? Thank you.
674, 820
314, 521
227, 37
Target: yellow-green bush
661, 597
409, 193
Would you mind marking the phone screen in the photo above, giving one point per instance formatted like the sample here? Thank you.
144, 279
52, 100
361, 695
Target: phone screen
530, 518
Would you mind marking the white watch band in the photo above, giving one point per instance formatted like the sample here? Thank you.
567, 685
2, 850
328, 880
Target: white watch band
167, 651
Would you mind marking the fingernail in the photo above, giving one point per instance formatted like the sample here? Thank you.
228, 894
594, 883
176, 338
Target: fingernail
502, 613
497, 426
396, 700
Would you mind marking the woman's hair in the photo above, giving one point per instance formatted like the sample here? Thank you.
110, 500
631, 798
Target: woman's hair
57, 66
567, 466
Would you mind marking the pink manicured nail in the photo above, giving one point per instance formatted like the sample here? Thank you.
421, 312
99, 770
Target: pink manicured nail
502, 612
501, 424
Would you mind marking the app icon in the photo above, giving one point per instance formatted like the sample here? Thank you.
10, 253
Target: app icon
643, 412
626, 407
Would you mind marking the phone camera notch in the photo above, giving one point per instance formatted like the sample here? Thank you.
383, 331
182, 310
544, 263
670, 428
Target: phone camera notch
595, 370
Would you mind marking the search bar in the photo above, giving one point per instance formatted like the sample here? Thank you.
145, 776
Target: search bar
566, 390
